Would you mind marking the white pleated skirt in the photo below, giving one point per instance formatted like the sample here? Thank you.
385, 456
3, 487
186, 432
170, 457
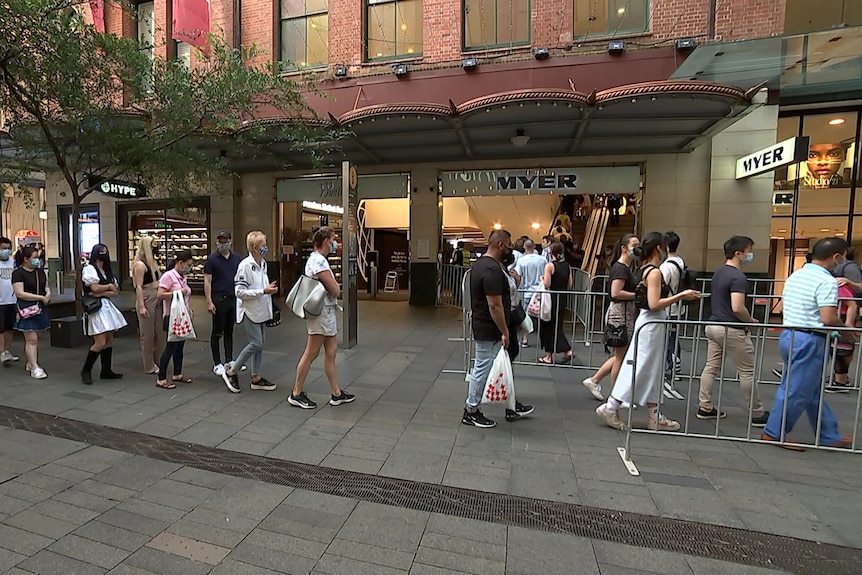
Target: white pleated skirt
108, 318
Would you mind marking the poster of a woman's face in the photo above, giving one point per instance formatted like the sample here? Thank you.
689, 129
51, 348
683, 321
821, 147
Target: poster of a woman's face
825, 165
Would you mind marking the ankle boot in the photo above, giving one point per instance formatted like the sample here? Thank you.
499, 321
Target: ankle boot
86, 373
107, 358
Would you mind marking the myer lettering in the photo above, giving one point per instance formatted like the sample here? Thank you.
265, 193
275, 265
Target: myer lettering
789, 151
606, 179
543, 182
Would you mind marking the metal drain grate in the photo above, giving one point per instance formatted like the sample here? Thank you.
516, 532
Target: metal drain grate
691, 538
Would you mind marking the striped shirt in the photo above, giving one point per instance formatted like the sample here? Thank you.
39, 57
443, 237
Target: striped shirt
805, 292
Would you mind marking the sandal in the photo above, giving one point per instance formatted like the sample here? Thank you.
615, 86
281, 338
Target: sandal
545, 361
181, 379
166, 384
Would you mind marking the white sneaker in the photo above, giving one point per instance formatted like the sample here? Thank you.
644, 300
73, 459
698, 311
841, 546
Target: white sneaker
663, 424
5, 357
219, 370
28, 368
38, 373
609, 416
594, 388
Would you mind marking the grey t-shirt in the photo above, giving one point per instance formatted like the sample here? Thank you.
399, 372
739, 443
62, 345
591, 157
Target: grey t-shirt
850, 270
726, 280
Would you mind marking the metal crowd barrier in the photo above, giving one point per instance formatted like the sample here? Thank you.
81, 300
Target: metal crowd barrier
750, 434
450, 285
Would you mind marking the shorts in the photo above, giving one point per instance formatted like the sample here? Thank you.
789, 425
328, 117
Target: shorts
326, 324
8, 315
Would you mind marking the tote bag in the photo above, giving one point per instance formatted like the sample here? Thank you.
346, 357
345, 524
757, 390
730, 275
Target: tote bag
180, 326
306, 298
500, 385
540, 304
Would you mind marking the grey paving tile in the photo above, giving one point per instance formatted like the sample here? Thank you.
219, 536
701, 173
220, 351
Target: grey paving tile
700, 505
166, 563
461, 562
85, 500
336, 565
472, 480
371, 524
40, 481
617, 570
608, 553
270, 559
492, 550
430, 469
529, 552
12, 505
466, 529
247, 446
49, 562
21, 541
371, 554
360, 465
545, 484
152, 510
221, 520
420, 569
200, 477
137, 473
64, 472
331, 504
177, 494
286, 543
215, 535
299, 522
113, 535
703, 566
253, 499
94, 459
207, 433
232, 567
619, 501
8, 559
89, 551
111, 492
64, 511
41, 524
133, 522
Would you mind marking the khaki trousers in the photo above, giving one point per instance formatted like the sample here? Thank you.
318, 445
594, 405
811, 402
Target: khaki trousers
152, 334
740, 350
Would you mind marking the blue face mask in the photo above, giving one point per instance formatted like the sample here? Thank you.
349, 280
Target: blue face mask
334, 247
748, 258
5, 254
263, 251
36, 262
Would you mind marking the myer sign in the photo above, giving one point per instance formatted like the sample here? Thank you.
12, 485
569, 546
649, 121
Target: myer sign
783, 153
619, 179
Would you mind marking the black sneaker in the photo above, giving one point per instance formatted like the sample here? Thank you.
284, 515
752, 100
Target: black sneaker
711, 414
263, 384
521, 410
836, 387
343, 398
301, 400
232, 382
476, 419
760, 420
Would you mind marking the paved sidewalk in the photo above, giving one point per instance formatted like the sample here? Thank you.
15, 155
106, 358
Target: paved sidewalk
58, 497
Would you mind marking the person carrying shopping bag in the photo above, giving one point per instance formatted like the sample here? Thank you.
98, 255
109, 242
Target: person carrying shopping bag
174, 291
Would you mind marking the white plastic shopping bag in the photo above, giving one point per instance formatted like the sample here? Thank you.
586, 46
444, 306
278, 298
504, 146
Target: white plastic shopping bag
500, 386
527, 324
180, 326
540, 304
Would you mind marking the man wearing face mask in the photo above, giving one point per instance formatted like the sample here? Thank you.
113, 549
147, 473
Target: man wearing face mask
8, 301
729, 289
810, 303
219, 271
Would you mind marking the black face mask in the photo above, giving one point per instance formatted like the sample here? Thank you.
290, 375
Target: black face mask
508, 257
104, 258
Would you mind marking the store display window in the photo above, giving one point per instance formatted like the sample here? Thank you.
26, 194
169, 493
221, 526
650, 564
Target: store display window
312, 219
177, 228
89, 231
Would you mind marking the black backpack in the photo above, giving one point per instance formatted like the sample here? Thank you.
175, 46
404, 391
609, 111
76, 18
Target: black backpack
687, 278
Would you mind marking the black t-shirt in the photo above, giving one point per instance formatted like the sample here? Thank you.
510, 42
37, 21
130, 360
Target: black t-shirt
726, 280
487, 278
34, 282
620, 271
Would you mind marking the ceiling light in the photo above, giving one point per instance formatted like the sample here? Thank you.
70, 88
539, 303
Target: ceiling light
498, 226
836, 122
535, 225
519, 140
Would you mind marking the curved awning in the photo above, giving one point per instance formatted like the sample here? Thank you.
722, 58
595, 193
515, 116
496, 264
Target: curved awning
647, 118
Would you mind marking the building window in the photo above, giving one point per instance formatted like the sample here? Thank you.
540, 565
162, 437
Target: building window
608, 17
304, 33
393, 28
496, 23
184, 53
146, 21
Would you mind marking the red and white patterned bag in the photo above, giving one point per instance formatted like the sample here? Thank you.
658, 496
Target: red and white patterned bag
180, 325
500, 386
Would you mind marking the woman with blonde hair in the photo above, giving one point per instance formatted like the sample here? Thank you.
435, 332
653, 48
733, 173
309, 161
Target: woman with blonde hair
145, 278
323, 329
253, 309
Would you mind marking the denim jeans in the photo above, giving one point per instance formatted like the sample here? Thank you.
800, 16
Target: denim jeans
486, 351
801, 391
255, 333
673, 350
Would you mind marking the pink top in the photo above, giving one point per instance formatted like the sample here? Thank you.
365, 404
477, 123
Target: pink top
174, 281
844, 293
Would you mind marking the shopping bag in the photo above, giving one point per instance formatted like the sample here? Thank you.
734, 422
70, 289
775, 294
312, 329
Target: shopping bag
180, 326
500, 386
545, 314
527, 325
534, 308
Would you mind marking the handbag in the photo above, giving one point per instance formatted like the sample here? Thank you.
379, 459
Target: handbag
306, 298
517, 316
34, 308
276, 316
615, 336
180, 325
91, 304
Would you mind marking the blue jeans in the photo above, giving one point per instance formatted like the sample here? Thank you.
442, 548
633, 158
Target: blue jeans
486, 351
801, 392
255, 333
673, 351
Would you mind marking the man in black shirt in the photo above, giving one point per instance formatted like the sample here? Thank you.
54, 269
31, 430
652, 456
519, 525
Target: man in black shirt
219, 271
729, 288
490, 301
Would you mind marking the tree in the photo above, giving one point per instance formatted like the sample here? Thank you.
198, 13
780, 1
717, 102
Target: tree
94, 107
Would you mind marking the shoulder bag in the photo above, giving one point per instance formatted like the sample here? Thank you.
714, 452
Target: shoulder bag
34, 308
307, 297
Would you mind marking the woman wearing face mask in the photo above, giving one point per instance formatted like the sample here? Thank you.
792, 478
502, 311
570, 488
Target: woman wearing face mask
174, 281
145, 275
621, 312
253, 309
653, 297
323, 329
99, 282
31, 288
558, 277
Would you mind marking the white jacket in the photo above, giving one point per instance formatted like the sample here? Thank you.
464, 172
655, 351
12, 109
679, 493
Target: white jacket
249, 282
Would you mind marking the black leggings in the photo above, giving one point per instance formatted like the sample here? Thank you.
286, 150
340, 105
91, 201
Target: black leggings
173, 350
